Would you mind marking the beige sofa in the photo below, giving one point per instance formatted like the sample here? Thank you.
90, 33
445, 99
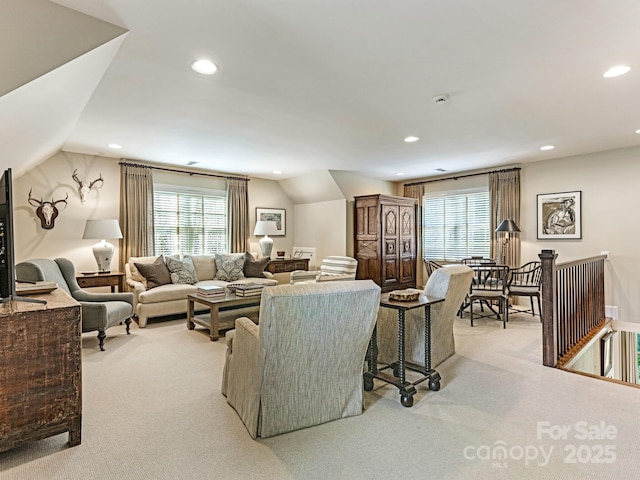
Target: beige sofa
171, 299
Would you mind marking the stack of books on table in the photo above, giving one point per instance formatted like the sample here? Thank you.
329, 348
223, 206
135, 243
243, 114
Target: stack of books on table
249, 289
211, 291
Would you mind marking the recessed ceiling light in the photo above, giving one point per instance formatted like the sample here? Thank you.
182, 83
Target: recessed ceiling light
399, 174
547, 147
277, 172
411, 138
616, 71
205, 67
115, 146
638, 131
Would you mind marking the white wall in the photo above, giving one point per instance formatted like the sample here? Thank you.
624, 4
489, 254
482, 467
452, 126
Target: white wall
52, 180
322, 225
269, 194
610, 196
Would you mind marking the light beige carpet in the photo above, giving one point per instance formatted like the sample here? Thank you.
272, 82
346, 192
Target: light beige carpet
153, 410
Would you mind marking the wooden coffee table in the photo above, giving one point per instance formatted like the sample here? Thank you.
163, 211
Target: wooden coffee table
217, 305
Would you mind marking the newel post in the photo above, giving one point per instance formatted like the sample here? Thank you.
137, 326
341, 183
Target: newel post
549, 328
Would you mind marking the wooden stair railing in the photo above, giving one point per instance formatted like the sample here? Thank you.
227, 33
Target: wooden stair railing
572, 303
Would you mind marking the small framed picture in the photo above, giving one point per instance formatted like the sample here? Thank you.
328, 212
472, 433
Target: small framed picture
277, 215
560, 216
606, 354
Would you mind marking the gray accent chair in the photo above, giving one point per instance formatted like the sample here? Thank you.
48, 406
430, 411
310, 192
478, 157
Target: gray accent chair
449, 282
303, 364
99, 310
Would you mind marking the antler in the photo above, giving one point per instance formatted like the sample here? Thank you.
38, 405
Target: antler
31, 200
75, 177
96, 180
53, 202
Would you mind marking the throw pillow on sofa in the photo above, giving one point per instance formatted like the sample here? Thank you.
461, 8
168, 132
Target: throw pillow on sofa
155, 273
182, 271
254, 267
229, 266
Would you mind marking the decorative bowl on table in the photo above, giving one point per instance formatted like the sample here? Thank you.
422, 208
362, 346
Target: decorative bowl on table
406, 295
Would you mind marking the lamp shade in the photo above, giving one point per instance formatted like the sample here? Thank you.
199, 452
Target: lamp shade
508, 226
265, 227
102, 229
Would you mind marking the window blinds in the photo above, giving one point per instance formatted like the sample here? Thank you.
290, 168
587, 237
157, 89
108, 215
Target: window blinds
189, 222
456, 225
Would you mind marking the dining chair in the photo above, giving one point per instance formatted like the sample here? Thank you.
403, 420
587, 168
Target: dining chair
526, 281
431, 266
471, 261
490, 285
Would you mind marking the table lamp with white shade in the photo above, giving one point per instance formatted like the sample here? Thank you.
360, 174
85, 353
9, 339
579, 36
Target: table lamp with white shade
266, 228
103, 250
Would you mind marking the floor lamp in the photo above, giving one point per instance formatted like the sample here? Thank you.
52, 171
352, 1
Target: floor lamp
508, 227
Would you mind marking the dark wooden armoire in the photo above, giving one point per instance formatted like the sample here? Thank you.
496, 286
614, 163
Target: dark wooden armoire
385, 240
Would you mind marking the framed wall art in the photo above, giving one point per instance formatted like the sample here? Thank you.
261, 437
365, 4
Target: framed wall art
606, 354
277, 215
560, 216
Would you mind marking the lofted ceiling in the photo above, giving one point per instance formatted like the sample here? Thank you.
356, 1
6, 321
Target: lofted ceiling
315, 85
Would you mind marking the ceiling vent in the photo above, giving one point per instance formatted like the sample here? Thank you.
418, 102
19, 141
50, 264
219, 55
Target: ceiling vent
440, 99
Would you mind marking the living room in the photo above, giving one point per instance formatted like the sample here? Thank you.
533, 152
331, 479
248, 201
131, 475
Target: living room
152, 406
606, 180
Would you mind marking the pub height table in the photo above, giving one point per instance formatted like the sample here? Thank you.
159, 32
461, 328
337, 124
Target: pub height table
407, 389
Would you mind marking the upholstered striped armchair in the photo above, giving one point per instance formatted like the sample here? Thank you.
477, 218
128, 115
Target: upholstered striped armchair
302, 365
331, 268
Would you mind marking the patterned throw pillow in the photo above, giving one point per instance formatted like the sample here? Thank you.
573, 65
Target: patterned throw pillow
229, 266
182, 271
155, 273
254, 267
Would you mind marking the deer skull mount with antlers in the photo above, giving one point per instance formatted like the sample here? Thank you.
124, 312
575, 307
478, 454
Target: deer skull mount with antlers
85, 187
46, 211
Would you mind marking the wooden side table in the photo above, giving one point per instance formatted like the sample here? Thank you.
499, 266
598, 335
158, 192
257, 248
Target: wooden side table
111, 279
407, 389
283, 265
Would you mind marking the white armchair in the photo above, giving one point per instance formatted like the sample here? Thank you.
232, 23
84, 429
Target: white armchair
332, 268
303, 364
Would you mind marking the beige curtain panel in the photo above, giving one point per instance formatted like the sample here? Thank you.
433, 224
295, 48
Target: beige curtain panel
504, 191
238, 214
136, 212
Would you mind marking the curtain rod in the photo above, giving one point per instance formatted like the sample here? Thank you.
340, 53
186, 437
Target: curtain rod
463, 176
175, 170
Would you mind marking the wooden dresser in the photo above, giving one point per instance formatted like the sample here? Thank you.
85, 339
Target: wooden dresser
385, 240
41, 370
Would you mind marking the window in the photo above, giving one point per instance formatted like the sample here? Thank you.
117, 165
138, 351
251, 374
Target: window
189, 222
456, 224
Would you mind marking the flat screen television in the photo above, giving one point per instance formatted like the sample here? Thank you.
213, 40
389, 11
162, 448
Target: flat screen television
7, 254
